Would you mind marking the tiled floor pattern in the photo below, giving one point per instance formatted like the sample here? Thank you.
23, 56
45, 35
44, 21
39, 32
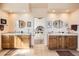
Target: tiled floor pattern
37, 50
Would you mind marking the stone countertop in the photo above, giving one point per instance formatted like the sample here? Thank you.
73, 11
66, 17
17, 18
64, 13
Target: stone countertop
15, 34
64, 34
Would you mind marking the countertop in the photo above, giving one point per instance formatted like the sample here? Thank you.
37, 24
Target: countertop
15, 34
64, 34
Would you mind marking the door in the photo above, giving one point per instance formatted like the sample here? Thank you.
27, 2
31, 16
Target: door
73, 42
60, 42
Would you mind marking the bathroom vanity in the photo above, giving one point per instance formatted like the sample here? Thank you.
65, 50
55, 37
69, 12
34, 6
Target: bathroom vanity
16, 40
62, 41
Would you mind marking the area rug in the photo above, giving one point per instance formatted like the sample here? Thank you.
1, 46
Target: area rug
10, 52
65, 53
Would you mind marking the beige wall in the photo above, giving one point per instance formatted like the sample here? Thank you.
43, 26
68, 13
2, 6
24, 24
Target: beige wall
75, 17
64, 17
11, 24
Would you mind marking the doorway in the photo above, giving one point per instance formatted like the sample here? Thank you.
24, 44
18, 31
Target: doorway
39, 31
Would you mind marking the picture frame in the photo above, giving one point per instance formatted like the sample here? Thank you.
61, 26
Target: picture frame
22, 24
1, 27
29, 24
3, 21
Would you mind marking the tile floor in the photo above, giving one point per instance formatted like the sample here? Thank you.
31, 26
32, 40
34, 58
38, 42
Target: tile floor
37, 50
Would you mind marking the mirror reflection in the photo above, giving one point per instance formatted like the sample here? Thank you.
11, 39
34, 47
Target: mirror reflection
22, 24
58, 24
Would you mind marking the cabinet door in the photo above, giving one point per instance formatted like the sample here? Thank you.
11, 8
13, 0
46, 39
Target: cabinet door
62, 46
11, 41
73, 42
67, 42
5, 41
58, 40
52, 42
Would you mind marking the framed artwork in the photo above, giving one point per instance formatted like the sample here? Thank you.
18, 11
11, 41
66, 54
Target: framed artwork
3, 21
1, 27
28, 24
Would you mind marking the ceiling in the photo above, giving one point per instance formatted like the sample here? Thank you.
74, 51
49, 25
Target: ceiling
63, 7
15, 7
39, 9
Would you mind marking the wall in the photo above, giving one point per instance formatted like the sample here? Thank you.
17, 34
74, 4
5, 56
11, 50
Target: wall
11, 23
74, 17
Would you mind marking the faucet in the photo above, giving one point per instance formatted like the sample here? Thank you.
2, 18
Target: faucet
21, 31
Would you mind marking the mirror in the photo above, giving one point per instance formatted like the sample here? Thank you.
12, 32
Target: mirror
58, 24
22, 24
28, 24
49, 24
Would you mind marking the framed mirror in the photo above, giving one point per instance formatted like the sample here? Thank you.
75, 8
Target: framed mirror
58, 24
49, 24
29, 24
22, 24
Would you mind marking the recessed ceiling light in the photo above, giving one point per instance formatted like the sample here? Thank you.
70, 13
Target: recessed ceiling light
53, 10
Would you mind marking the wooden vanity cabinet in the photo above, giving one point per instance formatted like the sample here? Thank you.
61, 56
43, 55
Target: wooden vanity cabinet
56, 42
7, 41
52, 44
16, 41
23, 41
62, 42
